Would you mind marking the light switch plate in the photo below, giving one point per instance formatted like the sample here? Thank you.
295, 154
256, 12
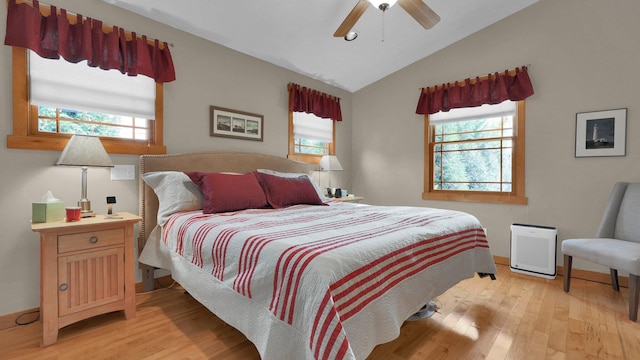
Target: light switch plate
123, 172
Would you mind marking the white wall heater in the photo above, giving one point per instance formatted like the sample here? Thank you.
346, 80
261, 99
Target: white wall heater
533, 250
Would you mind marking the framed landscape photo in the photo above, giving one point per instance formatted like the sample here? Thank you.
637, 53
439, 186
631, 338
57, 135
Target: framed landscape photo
236, 124
601, 133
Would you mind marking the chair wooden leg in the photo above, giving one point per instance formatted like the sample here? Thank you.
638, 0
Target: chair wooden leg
567, 272
634, 292
614, 279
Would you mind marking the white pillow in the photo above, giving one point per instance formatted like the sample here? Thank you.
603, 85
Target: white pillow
321, 193
175, 191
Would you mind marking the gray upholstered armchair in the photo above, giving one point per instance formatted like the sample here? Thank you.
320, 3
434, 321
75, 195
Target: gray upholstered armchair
617, 243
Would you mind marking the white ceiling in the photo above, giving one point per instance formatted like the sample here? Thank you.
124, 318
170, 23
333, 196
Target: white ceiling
298, 34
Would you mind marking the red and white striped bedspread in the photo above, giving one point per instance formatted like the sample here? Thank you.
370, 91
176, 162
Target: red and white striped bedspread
329, 271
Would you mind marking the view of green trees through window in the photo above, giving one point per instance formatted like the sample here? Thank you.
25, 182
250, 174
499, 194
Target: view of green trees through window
473, 155
67, 121
311, 147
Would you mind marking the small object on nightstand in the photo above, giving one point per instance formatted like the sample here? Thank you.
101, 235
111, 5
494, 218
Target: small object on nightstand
110, 201
48, 210
73, 213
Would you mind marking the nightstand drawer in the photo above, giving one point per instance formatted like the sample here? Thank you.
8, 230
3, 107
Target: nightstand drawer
89, 240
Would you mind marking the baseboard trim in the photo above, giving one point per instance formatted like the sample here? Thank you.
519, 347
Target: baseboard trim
9, 320
587, 275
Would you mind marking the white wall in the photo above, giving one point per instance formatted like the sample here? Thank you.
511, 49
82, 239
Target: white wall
207, 74
584, 57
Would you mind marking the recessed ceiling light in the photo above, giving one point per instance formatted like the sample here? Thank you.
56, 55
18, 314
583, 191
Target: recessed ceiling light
351, 35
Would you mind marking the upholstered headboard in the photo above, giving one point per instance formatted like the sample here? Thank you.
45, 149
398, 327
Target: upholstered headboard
202, 161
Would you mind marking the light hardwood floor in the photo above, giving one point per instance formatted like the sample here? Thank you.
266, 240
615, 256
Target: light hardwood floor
515, 317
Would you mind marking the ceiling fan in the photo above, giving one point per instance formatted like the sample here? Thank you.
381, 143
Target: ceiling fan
416, 8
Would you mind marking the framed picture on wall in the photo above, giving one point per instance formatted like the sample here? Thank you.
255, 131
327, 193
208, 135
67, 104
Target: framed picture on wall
236, 124
601, 133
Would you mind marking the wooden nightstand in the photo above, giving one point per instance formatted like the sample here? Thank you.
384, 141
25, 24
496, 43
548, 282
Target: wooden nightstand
356, 199
86, 269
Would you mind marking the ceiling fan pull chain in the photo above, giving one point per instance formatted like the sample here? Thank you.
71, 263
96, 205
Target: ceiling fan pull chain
382, 39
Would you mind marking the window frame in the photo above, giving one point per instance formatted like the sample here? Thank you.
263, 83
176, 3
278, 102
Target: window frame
516, 196
308, 158
25, 129
141, 125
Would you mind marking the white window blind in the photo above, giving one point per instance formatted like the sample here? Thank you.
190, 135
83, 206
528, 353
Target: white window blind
61, 84
312, 127
505, 108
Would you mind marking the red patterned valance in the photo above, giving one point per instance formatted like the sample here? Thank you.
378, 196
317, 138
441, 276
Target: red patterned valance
84, 38
302, 99
512, 85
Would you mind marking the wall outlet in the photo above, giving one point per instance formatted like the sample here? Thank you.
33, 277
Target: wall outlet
123, 172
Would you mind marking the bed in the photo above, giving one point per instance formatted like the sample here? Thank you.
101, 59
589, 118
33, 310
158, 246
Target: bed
306, 280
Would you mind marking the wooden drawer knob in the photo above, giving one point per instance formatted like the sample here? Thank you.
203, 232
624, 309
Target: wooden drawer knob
93, 240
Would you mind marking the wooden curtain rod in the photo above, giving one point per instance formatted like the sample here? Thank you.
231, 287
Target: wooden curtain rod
291, 84
45, 9
473, 79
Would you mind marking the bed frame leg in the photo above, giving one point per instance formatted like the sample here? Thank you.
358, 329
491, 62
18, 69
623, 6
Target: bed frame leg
148, 281
492, 276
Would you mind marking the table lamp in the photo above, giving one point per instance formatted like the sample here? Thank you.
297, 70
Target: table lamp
330, 163
84, 151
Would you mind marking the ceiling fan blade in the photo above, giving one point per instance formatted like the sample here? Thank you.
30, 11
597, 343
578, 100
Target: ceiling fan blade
352, 18
420, 12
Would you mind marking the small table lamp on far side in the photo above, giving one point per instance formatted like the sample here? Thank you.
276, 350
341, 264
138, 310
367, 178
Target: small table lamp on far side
84, 151
330, 163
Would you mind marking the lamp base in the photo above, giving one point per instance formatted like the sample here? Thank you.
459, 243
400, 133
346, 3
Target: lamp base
87, 213
85, 205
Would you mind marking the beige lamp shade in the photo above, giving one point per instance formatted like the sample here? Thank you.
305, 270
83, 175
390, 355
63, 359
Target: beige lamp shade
83, 150
330, 163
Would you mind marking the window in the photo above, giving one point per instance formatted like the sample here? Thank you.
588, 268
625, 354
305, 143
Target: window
476, 154
312, 123
310, 137
43, 118
54, 120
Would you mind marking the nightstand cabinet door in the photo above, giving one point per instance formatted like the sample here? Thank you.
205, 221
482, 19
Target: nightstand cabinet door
90, 279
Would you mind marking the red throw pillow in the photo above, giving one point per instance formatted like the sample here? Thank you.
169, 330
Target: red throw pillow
229, 192
282, 192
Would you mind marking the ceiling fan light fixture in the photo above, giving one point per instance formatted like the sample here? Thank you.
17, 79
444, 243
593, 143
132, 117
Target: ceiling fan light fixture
383, 4
351, 35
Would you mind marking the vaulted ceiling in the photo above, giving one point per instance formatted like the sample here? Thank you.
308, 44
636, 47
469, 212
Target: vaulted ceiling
298, 34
